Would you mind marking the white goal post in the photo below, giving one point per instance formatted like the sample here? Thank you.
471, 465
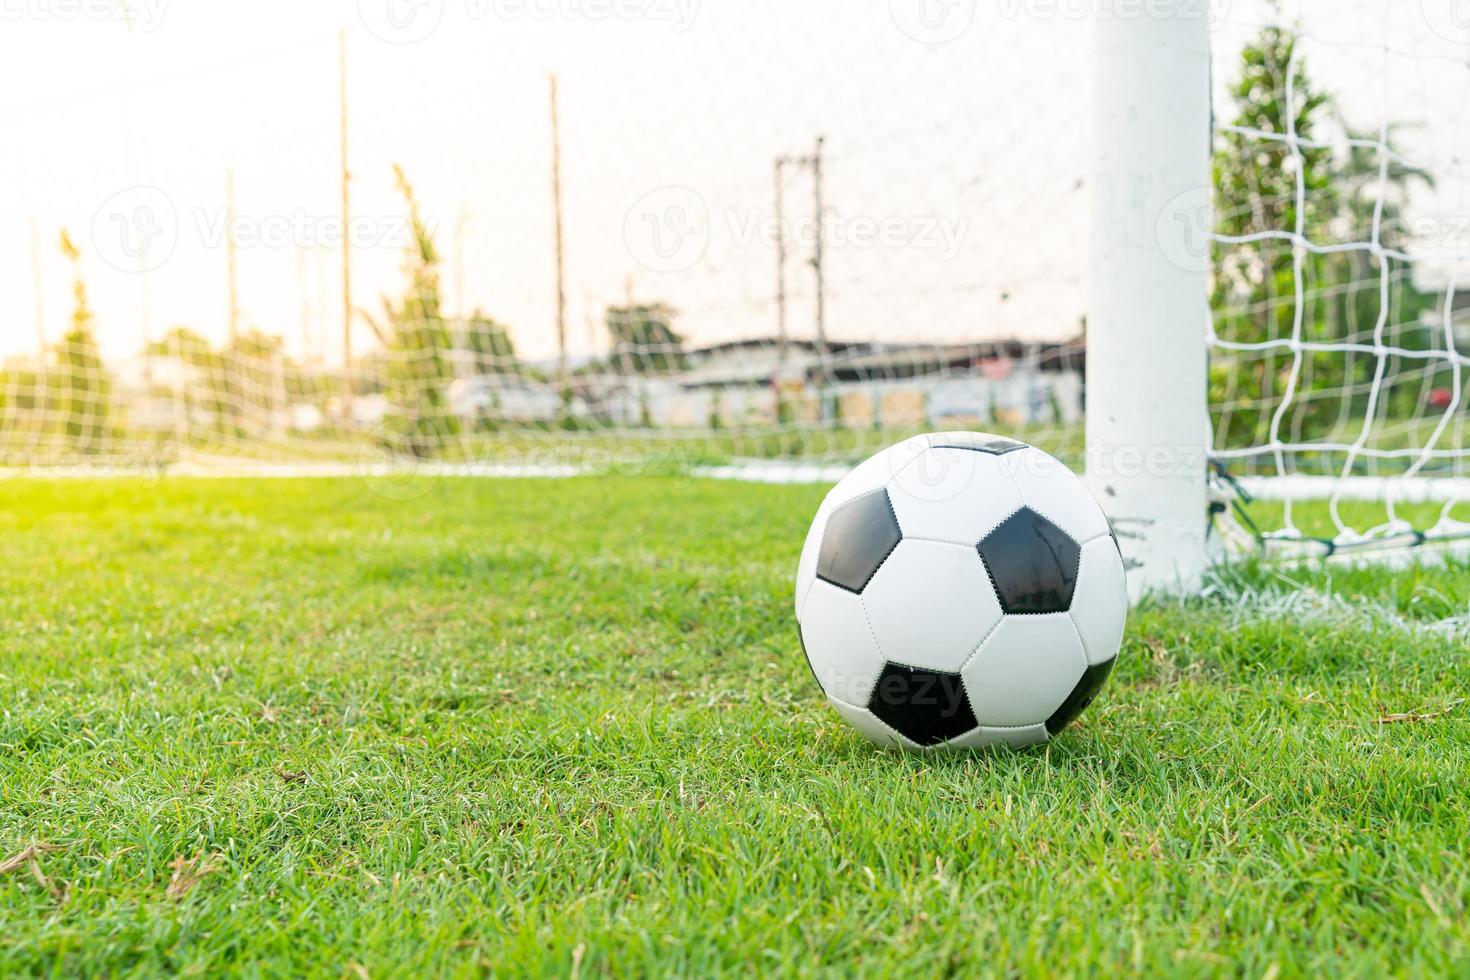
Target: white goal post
1276, 347
1147, 422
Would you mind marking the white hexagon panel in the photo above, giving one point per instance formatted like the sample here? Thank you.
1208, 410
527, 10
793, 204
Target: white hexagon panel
985, 738
1100, 604
1025, 670
839, 645
876, 471
806, 568
930, 604
957, 495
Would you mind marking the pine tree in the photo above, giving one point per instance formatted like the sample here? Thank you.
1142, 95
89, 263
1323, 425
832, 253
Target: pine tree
84, 385
418, 344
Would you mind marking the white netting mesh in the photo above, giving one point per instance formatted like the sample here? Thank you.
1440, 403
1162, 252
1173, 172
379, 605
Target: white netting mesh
196, 320
951, 232
1338, 336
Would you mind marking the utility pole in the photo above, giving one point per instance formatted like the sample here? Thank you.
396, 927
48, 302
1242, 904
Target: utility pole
814, 164
232, 285
561, 291
346, 230
818, 206
37, 291
781, 337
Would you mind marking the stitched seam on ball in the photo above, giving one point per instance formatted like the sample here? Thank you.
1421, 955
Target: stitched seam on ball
988, 452
876, 646
1021, 492
1081, 643
1060, 527
867, 620
801, 611
928, 449
967, 545
844, 702
1076, 577
920, 668
976, 652
878, 567
1096, 537
899, 472
903, 741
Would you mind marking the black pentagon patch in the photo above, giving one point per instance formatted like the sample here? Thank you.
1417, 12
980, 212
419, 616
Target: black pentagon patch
1032, 563
980, 443
860, 535
924, 706
1081, 696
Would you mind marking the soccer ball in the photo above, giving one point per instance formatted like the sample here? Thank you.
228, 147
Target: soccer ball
960, 590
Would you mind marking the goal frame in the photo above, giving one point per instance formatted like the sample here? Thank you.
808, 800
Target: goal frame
1147, 417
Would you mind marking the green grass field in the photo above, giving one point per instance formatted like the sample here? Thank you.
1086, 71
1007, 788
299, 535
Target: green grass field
565, 727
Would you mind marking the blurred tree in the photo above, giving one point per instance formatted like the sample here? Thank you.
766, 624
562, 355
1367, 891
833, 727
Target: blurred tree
238, 386
1374, 191
644, 339
84, 386
23, 401
490, 345
185, 345
418, 345
256, 369
1265, 184
207, 390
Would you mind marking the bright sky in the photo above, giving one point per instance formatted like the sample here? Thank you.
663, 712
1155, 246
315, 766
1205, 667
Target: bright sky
955, 157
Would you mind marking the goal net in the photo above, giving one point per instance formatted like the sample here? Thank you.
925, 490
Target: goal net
765, 242
1339, 317
840, 256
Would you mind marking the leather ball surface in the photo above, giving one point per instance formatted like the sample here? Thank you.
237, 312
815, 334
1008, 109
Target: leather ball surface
960, 590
